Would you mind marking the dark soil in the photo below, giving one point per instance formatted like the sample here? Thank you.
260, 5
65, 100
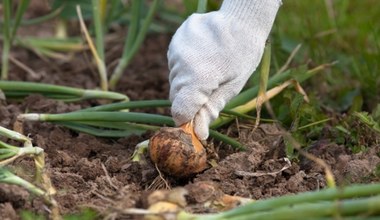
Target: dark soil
94, 172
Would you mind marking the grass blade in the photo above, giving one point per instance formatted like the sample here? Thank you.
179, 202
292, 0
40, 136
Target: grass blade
100, 62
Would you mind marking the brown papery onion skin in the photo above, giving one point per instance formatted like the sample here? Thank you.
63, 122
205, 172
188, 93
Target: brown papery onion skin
177, 151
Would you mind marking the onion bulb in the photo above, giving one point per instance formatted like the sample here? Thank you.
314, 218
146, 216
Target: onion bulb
177, 151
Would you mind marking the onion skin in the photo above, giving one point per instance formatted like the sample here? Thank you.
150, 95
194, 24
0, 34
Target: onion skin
177, 151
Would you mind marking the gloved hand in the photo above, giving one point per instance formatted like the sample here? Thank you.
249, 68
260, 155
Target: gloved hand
212, 55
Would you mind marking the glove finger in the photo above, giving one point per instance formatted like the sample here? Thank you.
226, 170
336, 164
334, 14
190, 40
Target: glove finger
186, 103
189, 92
216, 102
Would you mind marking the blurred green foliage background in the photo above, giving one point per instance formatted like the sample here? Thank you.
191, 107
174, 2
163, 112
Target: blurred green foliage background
335, 30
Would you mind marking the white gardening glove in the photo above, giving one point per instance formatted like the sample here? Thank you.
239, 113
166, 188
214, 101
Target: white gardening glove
212, 55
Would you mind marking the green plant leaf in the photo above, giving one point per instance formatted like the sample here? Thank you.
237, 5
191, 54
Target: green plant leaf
367, 119
69, 8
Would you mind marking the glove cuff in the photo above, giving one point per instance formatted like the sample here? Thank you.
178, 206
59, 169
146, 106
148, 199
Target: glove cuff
252, 13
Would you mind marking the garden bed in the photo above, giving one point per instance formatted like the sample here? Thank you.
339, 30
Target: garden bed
99, 174
95, 172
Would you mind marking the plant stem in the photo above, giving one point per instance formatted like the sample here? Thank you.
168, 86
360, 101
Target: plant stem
51, 44
101, 116
301, 198
100, 62
25, 88
128, 126
278, 78
100, 132
202, 6
264, 75
265, 69
134, 26
314, 123
10, 178
140, 149
99, 32
225, 139
6, 40
13, 135
366, 206
30, 150
131, 38
42, 18
111, 12
250, 93
251, 105
22, 6
89, 94
9, 153
129, 105
128, 55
